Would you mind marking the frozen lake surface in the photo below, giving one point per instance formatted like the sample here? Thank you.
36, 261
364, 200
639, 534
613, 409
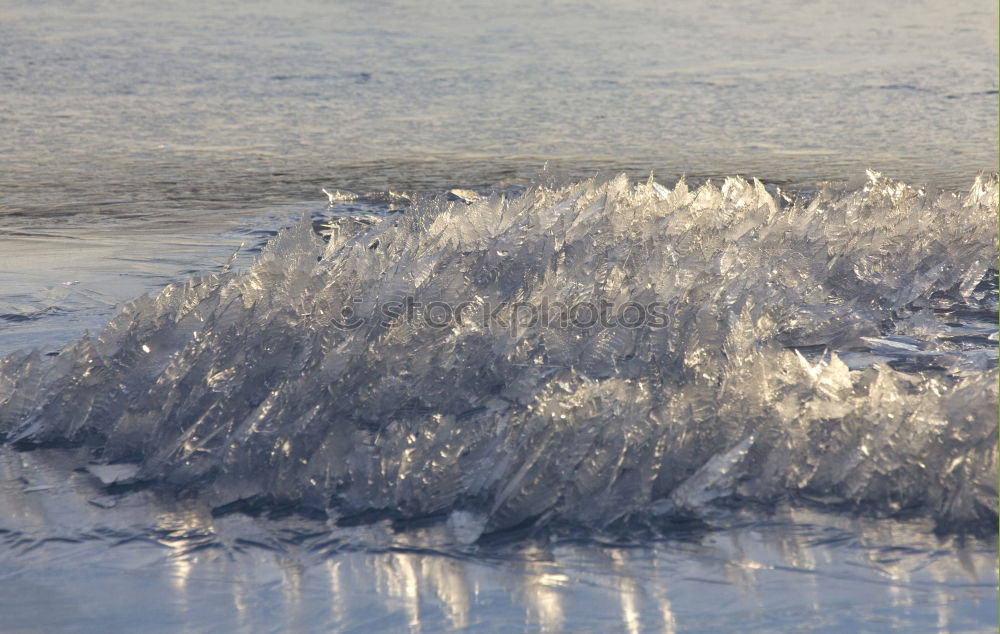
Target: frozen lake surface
800, 432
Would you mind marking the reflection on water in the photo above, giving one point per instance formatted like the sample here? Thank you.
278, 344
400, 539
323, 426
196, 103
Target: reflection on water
73, 555
543, 590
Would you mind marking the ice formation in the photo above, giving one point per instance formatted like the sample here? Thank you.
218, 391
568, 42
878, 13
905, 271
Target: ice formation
837, 347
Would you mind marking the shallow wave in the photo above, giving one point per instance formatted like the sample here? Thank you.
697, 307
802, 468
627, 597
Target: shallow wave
838, 348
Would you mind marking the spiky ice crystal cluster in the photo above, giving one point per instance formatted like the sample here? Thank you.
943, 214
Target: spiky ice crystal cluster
838, 347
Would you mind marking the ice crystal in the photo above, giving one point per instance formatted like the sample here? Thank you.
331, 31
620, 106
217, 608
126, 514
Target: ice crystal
837, 347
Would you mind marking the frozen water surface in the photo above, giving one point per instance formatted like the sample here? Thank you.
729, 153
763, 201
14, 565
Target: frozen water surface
805, 440
75, 558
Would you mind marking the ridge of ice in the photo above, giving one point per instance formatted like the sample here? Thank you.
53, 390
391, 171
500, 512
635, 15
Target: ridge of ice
238, 385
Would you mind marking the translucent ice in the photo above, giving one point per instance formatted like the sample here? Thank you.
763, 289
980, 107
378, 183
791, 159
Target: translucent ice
837, 348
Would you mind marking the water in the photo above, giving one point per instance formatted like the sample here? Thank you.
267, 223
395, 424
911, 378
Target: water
142, 146
121, 108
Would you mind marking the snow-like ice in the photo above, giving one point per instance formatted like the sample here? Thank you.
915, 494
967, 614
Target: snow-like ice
836, 348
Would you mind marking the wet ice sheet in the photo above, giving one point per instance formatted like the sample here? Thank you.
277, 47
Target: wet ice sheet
160, 565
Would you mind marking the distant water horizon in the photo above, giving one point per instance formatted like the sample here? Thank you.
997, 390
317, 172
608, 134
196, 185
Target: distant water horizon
122, 107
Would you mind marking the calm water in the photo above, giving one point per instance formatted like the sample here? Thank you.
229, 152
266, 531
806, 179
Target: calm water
135, 108
140, 144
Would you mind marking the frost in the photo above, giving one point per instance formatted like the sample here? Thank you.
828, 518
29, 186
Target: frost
713, 479
466, 196
838, 348
113, 474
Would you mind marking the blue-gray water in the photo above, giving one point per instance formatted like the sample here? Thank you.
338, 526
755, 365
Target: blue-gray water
141, 145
